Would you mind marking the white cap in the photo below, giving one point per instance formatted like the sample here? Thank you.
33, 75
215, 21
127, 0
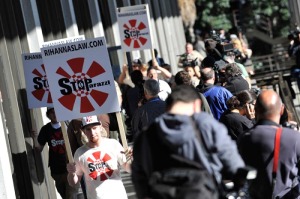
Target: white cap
90, 120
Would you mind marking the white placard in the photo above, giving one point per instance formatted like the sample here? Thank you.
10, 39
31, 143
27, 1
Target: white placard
134, 27
37, 87
80, 79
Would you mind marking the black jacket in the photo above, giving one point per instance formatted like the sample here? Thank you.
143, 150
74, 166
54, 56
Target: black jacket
236, 123
170, 134
146, 114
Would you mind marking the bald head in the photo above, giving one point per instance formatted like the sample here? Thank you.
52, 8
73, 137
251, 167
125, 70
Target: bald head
268, 106
189, 48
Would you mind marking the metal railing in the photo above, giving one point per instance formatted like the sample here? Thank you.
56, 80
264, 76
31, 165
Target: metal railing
272, 62
270, 70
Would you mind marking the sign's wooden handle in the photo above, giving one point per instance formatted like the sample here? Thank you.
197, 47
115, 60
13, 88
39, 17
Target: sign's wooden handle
122, 130
67, 142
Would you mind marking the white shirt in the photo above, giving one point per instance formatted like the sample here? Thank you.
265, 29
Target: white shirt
100, 167
164, 90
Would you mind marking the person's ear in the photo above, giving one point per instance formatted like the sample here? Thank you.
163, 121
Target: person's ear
282, 109
197, 106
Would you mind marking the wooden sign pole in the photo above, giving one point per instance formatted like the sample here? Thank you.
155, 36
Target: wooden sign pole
153, 55
67, 143
122, 131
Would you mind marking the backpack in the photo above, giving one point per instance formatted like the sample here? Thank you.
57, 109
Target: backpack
187, 179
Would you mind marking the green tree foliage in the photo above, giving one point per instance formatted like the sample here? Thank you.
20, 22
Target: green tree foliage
216, 14
213, 14
277, 11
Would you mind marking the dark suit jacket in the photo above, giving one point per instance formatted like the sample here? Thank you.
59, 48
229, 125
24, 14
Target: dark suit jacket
146, 114
257, 148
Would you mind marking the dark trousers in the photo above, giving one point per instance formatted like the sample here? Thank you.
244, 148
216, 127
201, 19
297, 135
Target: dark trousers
64, 189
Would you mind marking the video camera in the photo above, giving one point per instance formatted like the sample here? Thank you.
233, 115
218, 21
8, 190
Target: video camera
218, 48
222, 47
236, 189
191, 63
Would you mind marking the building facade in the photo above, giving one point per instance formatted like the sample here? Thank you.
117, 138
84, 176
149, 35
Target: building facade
294, 7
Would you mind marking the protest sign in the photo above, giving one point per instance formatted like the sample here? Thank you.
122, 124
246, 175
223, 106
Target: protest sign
134, 27
80, 79
37, 87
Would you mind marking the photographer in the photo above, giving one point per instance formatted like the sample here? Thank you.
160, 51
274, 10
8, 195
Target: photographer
230, 58
235, 83
189, 56
294, 51
222, 53
218, 67
216, 96
257, 149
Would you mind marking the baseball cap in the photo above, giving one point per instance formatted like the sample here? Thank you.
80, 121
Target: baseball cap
90, 120
137, 61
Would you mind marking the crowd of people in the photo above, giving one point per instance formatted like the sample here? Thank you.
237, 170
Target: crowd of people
165, 114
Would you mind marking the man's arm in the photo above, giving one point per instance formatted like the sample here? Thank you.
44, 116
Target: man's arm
127, 165
164, 71
39, 147
73, 178
197, 71
123, 74
124, 77
119, 93
225, 156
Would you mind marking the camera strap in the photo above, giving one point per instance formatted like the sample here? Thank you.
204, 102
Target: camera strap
276, 158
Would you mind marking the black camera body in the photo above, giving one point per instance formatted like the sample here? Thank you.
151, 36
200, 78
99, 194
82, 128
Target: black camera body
222, 46
191, 63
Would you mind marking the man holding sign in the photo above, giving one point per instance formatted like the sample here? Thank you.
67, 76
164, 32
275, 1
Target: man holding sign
51, 133
99, 162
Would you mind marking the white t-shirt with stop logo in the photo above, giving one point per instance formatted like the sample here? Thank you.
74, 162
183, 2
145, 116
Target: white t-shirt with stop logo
101, 169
